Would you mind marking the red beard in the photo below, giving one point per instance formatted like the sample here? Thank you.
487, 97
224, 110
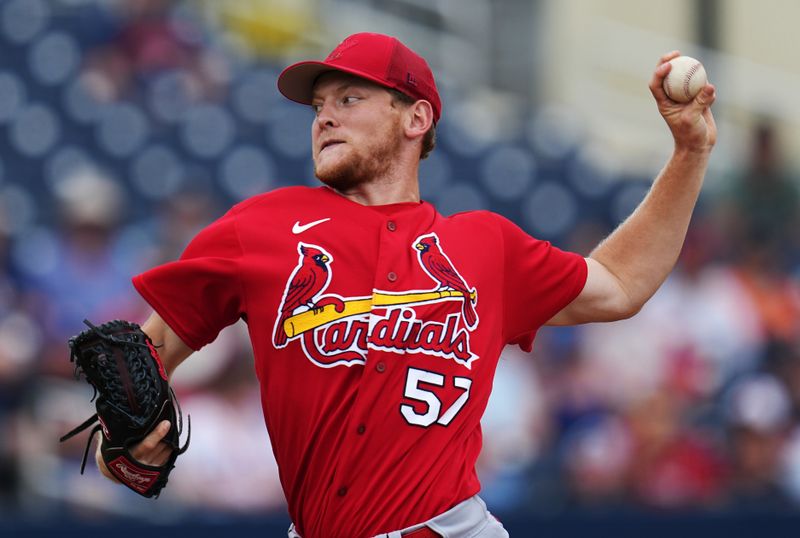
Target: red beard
361, 164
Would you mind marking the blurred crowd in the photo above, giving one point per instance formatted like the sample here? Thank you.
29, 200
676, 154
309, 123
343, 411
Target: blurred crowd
694, 404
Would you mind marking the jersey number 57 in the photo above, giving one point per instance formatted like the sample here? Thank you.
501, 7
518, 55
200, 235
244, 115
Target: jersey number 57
432, 404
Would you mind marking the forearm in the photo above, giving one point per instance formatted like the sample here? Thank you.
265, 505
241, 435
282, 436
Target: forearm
642, 251
170, 347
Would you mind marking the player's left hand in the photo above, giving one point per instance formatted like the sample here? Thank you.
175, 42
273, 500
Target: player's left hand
692, 123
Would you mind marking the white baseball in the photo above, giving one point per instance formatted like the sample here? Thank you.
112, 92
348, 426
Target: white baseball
686, 78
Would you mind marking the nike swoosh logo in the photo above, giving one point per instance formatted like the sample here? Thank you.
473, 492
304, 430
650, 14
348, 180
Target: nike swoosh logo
298, 228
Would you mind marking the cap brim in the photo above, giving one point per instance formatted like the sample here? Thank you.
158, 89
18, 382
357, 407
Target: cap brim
296, 82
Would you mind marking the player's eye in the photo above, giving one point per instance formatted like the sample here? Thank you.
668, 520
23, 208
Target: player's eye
316, 108
350, 99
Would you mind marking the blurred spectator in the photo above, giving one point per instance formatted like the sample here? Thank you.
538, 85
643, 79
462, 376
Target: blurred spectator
763, 203
145, 38
20, 334
759, 421
516, 428
85, 276
598, 454
178, 219
271, 28
762, 218
677, 465
761, 269
783, 360
20, 345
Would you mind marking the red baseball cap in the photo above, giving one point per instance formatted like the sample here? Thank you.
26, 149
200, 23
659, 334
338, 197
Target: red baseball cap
380, 58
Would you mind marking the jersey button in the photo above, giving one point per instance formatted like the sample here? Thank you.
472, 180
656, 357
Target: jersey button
391, 226
380, 367
342, 492
392, 276
361, 429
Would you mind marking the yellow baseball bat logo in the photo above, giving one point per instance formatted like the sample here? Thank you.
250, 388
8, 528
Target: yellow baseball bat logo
317, 317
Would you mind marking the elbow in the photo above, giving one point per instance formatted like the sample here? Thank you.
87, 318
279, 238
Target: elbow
627, 308
613, 311
629, 300
630, 311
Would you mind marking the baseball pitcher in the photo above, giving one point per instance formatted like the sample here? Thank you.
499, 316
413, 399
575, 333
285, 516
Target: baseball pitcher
376, 322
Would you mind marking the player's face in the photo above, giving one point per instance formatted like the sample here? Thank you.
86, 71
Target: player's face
357, 131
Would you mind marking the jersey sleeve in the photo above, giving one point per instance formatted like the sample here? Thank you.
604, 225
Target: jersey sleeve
202, 292
539, 281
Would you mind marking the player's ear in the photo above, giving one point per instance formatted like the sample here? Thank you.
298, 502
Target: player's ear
419, 119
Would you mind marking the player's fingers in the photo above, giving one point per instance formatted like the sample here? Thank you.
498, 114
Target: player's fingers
702, 101
663, 67
657, 81
668, 56
151, 442
159, 456
101, 465
706, 97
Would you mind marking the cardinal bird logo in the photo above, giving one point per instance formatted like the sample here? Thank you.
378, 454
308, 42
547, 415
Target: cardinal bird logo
309, 278
439, 267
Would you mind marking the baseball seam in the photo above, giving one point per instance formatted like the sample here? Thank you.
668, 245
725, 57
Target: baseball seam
689, 74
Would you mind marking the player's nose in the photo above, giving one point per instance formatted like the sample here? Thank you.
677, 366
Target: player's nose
326, 115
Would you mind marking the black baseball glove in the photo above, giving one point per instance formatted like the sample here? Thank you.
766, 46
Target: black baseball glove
132, 397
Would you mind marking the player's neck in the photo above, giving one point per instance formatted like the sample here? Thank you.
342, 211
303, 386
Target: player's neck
391, 189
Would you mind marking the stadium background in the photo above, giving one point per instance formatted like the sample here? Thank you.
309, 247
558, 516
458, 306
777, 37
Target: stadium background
126, 125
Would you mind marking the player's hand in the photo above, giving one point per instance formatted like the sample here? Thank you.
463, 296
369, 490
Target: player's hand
150, 451
692, 123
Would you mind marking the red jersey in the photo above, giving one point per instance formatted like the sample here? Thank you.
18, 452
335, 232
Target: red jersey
376, 332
